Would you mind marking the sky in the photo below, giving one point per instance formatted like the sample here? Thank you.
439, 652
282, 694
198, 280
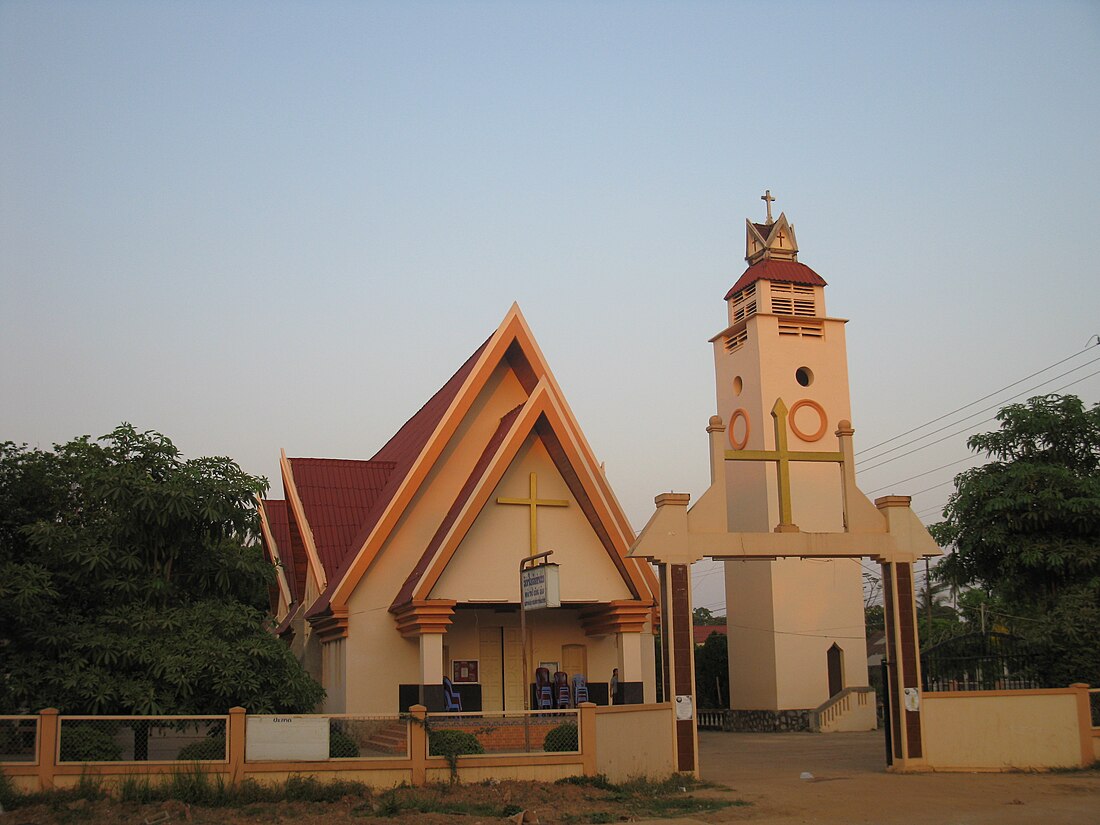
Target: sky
264, 225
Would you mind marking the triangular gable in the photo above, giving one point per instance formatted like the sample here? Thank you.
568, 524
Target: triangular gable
544, 415
513, 344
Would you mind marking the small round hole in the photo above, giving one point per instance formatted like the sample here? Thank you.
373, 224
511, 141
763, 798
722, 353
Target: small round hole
738, 385
804, 376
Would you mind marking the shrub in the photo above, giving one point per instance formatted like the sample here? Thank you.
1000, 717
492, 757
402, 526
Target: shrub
561, 738
84, 743
452, 743
212, 747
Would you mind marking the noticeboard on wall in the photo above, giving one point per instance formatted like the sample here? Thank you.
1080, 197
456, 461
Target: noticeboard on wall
465, 670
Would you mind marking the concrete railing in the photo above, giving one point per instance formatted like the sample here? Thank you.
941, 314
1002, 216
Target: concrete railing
852, 709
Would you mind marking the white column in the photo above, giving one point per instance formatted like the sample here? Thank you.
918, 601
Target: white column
431, 658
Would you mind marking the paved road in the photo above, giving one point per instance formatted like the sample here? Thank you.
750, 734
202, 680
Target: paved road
851, 786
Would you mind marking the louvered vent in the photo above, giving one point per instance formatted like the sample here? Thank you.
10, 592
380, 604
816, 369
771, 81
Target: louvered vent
802, 330
793, 299
736, 340
743, 304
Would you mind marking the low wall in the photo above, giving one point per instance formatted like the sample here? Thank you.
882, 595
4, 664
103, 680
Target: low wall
635, 741
1007, 730
631, 740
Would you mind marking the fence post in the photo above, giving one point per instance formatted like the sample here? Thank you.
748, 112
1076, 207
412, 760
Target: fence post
236, 731
418, 744
48, 729
1084, 722
588, 738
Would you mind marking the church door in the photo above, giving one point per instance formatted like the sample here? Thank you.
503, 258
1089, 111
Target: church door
835, 661
574, 660
500, 668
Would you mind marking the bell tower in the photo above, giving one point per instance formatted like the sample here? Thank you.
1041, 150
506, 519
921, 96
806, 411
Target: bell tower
796, 627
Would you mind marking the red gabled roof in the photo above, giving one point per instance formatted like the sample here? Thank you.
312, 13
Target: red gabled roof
770, 269
702, 632
278, 522
337, 494
401, 451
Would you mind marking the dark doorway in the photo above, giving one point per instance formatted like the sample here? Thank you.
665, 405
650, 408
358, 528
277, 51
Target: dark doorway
835, 659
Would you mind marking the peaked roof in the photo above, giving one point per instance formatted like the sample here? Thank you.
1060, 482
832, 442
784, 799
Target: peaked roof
338, 495
770, 269
348, 534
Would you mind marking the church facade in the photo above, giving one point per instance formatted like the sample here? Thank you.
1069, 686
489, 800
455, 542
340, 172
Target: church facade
400, 571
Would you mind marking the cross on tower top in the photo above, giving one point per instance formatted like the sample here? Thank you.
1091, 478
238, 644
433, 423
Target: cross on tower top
767, 198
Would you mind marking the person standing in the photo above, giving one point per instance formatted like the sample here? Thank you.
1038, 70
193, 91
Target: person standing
613, 697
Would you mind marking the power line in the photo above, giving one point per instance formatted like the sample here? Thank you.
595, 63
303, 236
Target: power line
983, 398
920, 475
972, 415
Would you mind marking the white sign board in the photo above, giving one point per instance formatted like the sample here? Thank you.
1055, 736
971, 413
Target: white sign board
540, 587
279, 738
685, 710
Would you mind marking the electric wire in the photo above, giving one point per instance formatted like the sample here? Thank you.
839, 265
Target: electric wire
983, 398
966, 418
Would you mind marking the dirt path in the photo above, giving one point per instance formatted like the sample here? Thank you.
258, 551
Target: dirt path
851, 786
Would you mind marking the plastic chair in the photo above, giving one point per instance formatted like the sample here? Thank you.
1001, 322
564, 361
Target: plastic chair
543, 692
564, 695
452, 700
580, 688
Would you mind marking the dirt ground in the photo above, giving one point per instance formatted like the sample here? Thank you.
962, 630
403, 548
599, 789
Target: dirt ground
849, 787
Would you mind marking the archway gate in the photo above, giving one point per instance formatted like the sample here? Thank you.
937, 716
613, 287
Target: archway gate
886, 531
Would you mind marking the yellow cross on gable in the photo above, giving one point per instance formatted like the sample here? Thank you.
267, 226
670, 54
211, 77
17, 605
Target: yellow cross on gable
783, 458
534, 502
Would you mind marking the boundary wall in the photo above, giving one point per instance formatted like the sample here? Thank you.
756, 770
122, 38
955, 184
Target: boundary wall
621, 741
998, 730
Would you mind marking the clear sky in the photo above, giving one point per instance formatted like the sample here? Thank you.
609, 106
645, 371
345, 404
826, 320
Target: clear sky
255, 225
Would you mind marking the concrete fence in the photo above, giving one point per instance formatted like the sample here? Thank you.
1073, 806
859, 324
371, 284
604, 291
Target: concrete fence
52, 751
1009, 729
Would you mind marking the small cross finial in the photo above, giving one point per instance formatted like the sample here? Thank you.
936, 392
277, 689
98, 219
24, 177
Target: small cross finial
767, 198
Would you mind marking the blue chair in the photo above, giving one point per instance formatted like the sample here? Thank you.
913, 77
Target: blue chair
451, 698
564, 697
580, 688
543, 693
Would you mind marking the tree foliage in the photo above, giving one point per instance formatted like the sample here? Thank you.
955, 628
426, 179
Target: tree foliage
1025, 528
131, 582
712, 675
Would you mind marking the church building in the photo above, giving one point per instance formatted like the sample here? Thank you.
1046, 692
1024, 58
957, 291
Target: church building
401, 571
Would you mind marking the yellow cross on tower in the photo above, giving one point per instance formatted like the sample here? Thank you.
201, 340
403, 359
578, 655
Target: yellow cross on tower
534, 502
783, 458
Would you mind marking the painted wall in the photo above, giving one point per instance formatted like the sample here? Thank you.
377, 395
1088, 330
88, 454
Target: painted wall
783, 616
1002, 729
485, 566
635, 740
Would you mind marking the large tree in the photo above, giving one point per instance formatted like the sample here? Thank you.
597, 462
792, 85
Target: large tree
131, 582
1025, 528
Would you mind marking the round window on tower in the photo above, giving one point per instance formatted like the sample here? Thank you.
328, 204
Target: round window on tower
804, 376
738, 385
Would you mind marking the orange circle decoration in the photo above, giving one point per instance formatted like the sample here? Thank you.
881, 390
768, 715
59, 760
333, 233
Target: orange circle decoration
813, 405
739, 413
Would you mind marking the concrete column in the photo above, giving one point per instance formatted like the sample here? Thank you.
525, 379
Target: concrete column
903, 664
431, 671
48, 747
